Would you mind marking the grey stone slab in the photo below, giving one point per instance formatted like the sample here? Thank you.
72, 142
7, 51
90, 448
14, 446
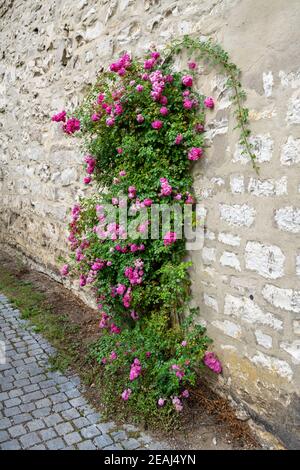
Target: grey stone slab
130, 444
21, 418
47, 434
64, 428
55, 444
86, 445
72, 438
36, 425
90, 431
81, 422
30, 440
4, 436
102, 441
10, 445
17, 430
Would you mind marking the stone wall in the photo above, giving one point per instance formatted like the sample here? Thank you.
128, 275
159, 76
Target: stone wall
246, 278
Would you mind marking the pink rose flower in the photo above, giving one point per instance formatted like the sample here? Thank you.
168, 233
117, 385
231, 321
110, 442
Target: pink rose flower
135, 370
115, 329
95, 117
184, 343
169, 78
199, 127
64, 271
187, 80
120, 289
185, 394
110, 121
179, 139
147, 202
134, 315
126, 394
157, 124
149, 64
72, 125
139, 88
122, 173
177, 404
188, 104
163, 111
113, 355
212, 362
87, 179
100, 98
170, 238
209, 102
192, 65
140, 118
163, 100
161, 402
59, 117
195, 153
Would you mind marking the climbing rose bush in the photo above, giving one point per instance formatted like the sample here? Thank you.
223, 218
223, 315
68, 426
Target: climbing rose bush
142, 125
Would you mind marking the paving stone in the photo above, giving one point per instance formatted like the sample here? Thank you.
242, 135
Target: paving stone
119, 436
10, 445
61, 407
35, 425
32, 396
53, 419
30, 439
47, 434
102, 441
4, 436
86, 445
43, 403
41, 412
21, 418
114, 447
73, 393
27, 407
4, 396
12, 411
49, 391
12, 402
64, 428
90, 431
72, 413
80, 422
17, 430
31, 388
106, 427
94, 418
130, 444
72, 438
39, 447
4, 423
59, 398
56, 444
15, 393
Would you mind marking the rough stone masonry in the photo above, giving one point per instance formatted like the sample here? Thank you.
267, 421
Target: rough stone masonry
246, 277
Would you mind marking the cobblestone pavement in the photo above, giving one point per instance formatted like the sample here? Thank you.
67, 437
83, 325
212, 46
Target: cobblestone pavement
42, 409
